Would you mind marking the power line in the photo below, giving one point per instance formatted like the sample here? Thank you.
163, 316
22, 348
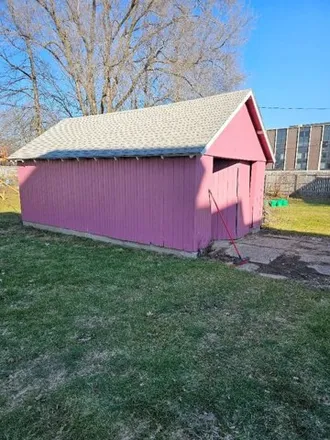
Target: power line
295, 108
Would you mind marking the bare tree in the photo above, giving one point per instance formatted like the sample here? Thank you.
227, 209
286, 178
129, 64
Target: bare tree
17, 126
21, 82
95, 56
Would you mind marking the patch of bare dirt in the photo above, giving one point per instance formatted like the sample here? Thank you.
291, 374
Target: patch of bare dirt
292, 267
292, 263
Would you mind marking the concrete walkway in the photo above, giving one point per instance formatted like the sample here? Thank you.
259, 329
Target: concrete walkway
281, 256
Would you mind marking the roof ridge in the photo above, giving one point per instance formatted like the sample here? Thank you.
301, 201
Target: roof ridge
170, 104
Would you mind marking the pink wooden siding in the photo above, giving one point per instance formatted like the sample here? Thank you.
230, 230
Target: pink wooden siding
257, 192
230, 187
224, 190
233, 169
148, 201
238, 140
238, 190
236, 182
244, 208
202, 232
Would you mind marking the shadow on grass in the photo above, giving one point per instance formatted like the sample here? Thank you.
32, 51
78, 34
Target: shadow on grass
311, 200
9, 219
277, 231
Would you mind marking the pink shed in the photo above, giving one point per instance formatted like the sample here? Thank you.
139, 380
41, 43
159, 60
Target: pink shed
156, 200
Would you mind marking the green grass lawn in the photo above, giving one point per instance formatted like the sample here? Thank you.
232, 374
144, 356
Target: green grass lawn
310, 217
99, 342
9, 200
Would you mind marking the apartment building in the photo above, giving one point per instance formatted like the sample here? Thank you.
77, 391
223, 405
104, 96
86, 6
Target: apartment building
301, 147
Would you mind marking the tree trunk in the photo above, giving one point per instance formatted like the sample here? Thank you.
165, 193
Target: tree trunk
36, 97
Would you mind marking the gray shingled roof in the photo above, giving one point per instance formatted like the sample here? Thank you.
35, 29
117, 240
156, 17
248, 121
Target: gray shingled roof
175, 129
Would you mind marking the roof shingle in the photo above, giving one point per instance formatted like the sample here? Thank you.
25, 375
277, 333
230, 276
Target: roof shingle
175, 129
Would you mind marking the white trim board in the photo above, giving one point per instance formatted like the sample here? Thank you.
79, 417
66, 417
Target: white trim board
262, 126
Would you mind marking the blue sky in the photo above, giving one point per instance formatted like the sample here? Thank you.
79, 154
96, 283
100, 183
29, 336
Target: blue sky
287, 59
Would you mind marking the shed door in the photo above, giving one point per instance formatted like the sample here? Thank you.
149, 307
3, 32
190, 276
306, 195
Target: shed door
224, 190
244, 219
231, 190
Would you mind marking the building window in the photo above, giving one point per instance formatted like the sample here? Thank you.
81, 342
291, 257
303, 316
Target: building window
280, 145
325, 151
302, 151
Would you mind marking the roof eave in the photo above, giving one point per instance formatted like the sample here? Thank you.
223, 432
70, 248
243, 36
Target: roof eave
261, 131
127, 155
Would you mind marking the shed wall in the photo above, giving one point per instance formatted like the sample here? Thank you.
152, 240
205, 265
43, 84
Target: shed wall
203, 235
237, 187
149, 201
238, 140
224, 189
238, 191
257, 193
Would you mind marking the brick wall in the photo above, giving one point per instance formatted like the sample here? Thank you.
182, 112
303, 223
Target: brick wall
271, 137
314, 149
298, 183
291, 147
